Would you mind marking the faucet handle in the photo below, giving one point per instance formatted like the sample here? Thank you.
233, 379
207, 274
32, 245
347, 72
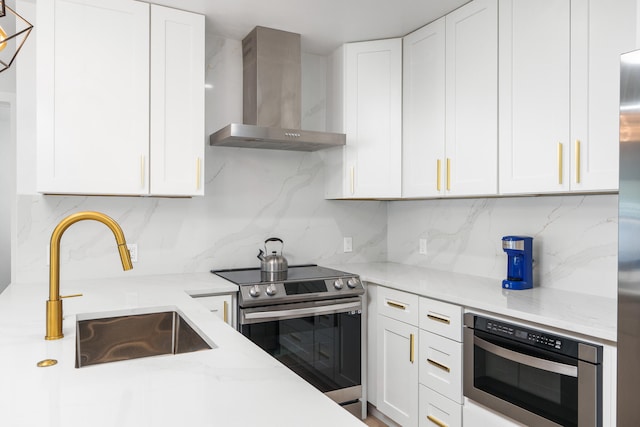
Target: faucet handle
70, 296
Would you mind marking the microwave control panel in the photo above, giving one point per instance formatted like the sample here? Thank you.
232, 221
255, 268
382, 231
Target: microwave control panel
538, 339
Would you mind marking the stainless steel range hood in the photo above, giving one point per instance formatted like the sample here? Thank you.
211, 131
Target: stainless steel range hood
271, 98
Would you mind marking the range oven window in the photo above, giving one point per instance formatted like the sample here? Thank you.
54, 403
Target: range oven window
323, 349
551, 395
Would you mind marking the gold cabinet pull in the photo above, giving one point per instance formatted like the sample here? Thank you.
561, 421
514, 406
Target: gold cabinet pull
436, 421
560, 163
448, 174
577, 161
396, 305
438, 172
411, 347
438, 318
198, 173
439, 365
225, 312
352, 172
142, 171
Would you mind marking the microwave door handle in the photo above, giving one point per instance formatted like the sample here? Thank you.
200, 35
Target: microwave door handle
525, 359
299, 312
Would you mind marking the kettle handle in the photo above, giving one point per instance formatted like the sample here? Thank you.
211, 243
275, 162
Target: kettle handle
273, 239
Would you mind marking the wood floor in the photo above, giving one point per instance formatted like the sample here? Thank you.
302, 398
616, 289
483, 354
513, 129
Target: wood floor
372, 421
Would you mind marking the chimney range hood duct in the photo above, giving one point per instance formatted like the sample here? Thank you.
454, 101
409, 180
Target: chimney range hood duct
271, 98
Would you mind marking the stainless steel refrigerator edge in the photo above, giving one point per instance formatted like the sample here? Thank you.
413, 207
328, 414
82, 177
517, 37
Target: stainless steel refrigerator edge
628, 402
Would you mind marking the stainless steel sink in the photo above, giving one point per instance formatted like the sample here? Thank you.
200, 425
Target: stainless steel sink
110, 338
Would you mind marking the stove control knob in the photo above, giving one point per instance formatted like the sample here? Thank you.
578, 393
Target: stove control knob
353, 282
271, 290
254, 291
338, 284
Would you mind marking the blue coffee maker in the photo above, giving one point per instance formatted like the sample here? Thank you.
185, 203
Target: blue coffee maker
519, 251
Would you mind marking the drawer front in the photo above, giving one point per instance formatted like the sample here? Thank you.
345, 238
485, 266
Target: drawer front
438, 411
399, 305
441, 318
441, 365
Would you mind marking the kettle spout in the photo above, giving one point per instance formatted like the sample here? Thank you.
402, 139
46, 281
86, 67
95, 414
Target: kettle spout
261, 255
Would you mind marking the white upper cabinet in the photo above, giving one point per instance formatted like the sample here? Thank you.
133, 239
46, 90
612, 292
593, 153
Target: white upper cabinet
472, 112
177, 102
366, 103
423, 113
535, 46
559, 93
108, 121
601, 31
450, 105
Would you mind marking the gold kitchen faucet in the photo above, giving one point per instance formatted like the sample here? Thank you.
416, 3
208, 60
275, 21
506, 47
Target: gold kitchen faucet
54, 303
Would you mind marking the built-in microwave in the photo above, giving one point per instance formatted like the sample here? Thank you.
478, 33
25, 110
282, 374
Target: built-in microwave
534, 377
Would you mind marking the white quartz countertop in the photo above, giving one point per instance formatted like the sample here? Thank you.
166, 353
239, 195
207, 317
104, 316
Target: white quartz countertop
235, 384
588, 315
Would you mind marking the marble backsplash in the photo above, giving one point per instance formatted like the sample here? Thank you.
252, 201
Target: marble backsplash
250, 195
575, 237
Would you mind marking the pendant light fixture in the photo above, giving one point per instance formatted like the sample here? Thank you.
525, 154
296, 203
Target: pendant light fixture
14, 30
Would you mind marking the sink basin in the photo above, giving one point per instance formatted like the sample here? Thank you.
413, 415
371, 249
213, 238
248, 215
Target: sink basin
105, 338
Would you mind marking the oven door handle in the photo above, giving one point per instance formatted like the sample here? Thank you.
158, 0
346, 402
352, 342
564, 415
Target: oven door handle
307, 311
525, 359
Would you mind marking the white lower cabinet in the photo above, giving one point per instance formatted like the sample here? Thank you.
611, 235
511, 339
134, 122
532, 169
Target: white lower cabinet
475, 415
397, 371
437, 410
222, 306
441, 365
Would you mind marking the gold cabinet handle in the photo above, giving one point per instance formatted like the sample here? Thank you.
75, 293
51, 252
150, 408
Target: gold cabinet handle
448, 174
411, 347
439, 365
438, 318
436, 421
198, 173
225, 312
352, 179
560, 163
577, 161
142, 164
396, 305
438, 172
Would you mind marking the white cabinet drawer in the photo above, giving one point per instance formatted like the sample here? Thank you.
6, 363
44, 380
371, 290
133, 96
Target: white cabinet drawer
399, 305
441, 318
438, 411
441, 365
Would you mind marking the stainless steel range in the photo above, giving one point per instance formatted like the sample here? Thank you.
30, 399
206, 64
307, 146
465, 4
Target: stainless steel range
310, 319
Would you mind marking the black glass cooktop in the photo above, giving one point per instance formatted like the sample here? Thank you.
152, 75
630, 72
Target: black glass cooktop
245, 276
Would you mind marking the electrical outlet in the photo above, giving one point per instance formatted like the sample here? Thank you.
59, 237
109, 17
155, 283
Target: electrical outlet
423, 246
348, 244
133, 251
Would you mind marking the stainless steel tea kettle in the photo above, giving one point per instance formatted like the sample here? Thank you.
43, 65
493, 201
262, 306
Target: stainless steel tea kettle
273, 263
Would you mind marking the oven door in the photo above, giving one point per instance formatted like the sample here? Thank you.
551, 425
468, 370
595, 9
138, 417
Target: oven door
320, 341
531, 385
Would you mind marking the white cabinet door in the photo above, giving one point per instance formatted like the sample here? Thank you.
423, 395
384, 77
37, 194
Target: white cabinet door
534, 95
423, 112
177, 102
471, 164
601, 31
367, 81
450, 114
120, 100
93, 96
221, 305
398, 371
